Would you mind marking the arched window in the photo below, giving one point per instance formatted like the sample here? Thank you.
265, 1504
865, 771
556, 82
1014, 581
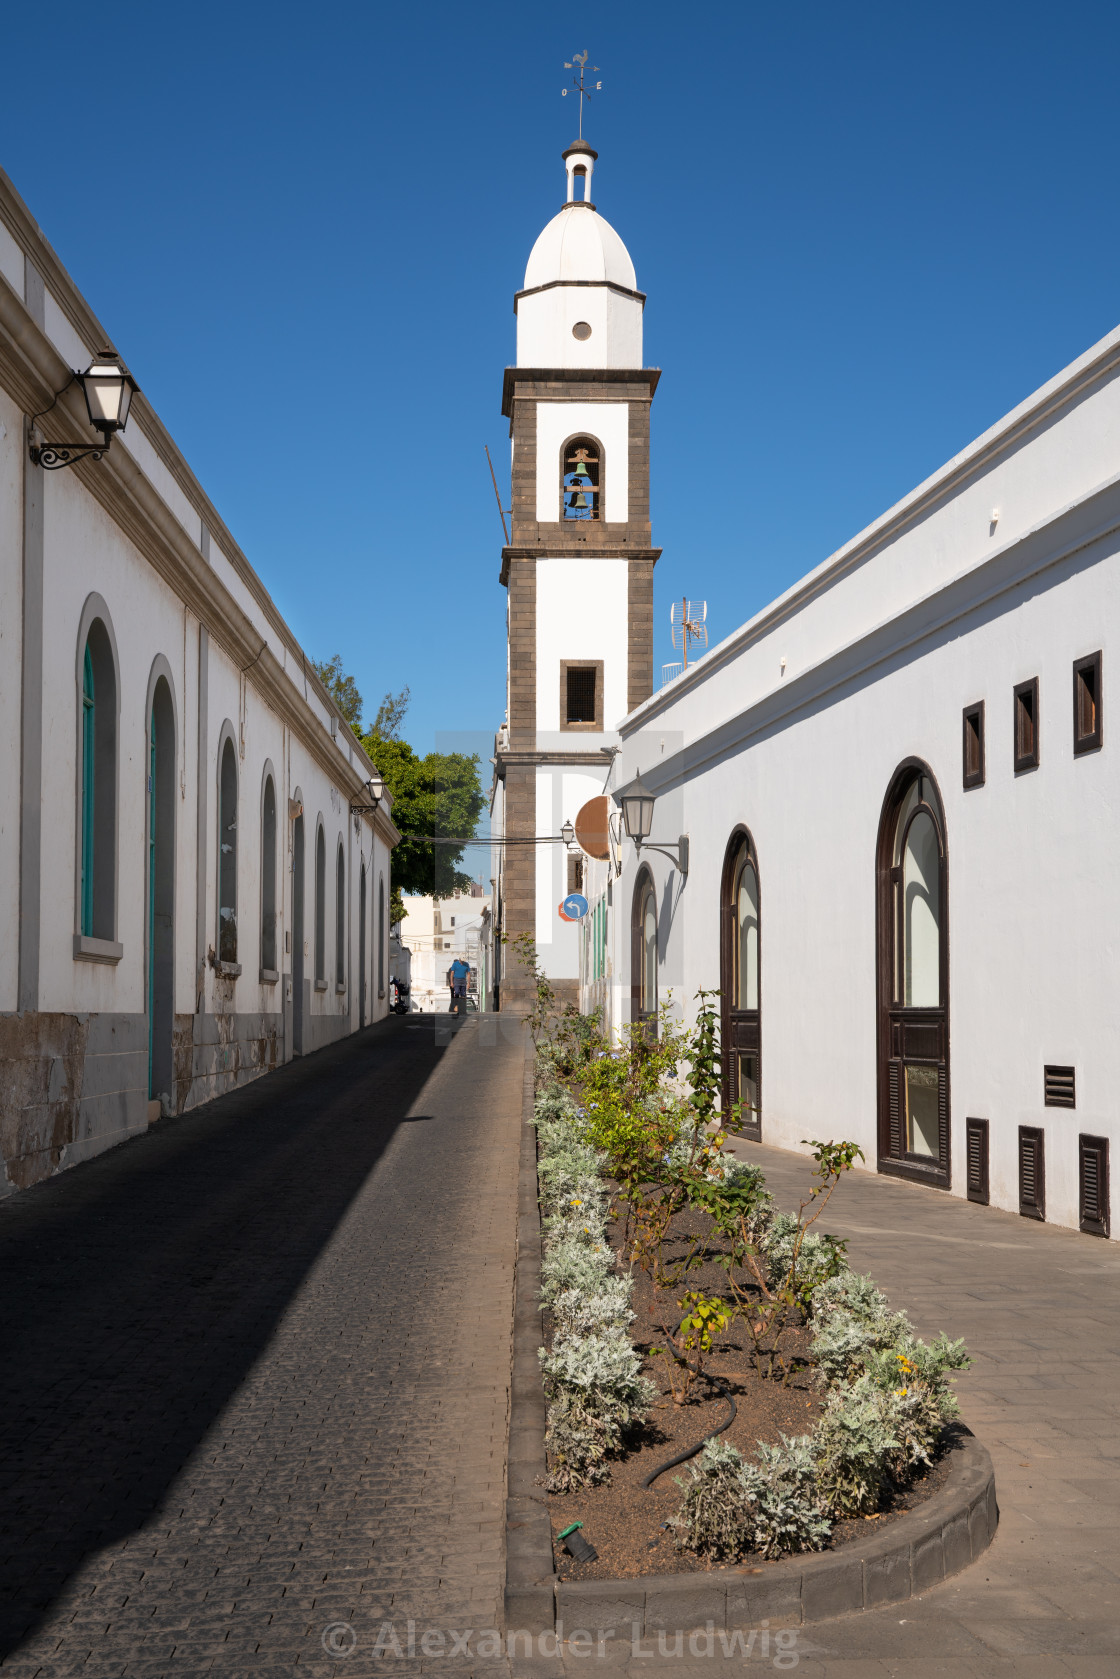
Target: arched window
227, 854
643, 952
97, 863
320, 908
913, 980
381, 935
268, 876
581, 487
340, 920
740, 981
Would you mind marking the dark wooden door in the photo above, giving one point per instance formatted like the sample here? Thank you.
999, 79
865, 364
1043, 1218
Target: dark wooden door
740, 982
913, 982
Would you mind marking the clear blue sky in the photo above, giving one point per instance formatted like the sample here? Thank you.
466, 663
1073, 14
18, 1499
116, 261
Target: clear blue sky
866, 232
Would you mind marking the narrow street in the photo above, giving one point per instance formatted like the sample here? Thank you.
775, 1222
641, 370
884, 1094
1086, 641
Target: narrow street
256, 1367
256, 1372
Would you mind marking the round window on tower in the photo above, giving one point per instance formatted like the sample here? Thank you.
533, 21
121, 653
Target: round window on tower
581, 330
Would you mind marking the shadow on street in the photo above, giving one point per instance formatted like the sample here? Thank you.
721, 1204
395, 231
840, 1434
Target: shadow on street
139, 1288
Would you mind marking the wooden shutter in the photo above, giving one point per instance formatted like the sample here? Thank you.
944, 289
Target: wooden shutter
1093, 1185
895, 1079
977, 1135
1032, 1172
1059, 1087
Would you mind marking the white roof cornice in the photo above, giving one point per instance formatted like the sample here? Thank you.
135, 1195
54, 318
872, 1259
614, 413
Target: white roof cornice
1094, 367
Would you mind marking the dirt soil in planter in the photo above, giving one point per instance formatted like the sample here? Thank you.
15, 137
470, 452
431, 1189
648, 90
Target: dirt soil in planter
624, 1520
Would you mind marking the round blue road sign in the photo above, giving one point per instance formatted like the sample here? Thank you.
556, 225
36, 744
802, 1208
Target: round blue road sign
575, 906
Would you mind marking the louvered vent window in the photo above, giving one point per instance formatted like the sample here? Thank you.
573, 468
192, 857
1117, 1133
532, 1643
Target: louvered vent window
977, 1140
1092, 1178
1032, 1172
1058, 1087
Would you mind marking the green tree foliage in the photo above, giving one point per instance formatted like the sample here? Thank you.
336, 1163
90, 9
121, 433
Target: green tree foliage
390, 715
342, 688
438, 795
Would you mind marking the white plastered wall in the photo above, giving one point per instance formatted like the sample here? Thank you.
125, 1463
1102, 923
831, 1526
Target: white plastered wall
545, 320
609, 422
805, 760
581, 614
560, 794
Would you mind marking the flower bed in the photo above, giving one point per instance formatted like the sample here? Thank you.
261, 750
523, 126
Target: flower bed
641, 1206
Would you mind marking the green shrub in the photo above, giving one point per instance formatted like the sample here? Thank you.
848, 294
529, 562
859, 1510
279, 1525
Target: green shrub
731, 1507
597, 1396
574, 1261
819, 1258
576, 1313
855, 1443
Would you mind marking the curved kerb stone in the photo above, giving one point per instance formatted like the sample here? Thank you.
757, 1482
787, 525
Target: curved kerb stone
915, 1551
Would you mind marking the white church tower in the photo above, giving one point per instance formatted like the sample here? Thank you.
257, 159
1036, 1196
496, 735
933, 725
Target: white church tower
579, 565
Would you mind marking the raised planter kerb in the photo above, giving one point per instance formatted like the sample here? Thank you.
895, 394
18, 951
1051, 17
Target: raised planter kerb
929, 1544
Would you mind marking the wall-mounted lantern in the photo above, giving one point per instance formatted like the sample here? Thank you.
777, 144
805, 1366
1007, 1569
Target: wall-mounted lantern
637, 814
376, 789
108, 388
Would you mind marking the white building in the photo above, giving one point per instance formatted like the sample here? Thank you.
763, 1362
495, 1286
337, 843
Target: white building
187, 897
579, 565
901, 803
438, 931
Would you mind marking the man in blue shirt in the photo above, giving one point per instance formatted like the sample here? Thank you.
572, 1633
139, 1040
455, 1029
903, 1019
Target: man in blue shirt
457, 979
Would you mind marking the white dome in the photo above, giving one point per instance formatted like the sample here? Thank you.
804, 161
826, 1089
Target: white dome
578, 244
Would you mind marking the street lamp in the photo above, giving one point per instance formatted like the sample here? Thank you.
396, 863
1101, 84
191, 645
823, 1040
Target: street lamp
376, 788
568, 834
108, 388
637, 815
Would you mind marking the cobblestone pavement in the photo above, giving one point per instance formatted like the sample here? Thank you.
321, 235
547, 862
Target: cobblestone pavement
255, 1394
256, 1368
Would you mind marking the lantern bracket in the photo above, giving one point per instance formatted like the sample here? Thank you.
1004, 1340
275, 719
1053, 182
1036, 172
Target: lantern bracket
677, 854
51, 456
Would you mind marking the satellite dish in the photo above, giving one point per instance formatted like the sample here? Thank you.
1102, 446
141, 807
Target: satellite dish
592, 828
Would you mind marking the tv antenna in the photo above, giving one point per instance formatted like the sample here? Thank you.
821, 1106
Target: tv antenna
581, 83
688, 625
497, 497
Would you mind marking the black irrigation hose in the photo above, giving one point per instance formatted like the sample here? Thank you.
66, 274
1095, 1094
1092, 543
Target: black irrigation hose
691, 1451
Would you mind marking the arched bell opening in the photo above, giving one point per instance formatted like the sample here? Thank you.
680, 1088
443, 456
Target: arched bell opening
581, 479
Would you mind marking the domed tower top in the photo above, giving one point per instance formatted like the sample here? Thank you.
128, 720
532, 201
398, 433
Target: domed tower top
580, 306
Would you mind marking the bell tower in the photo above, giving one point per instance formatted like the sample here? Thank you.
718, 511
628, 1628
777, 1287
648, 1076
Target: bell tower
579, 565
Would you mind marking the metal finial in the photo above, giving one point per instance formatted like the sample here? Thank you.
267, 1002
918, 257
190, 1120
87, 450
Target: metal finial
581, 83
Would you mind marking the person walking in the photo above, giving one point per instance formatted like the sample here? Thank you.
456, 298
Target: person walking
457, 979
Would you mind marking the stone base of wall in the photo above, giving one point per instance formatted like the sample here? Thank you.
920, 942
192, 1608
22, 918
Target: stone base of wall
71, 1085
214, 1053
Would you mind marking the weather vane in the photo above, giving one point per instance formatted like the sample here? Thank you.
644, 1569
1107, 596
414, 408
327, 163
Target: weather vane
581, 82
